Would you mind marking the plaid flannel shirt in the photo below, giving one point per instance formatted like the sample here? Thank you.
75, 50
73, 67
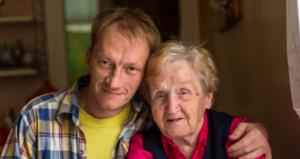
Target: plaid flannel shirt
48, 127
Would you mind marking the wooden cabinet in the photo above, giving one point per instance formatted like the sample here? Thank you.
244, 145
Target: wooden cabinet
22, 21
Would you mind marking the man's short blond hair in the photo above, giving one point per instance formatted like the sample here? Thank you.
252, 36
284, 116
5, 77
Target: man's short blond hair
200, 60
133, 23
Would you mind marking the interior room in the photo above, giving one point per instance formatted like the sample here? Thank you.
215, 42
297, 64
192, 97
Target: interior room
43, 44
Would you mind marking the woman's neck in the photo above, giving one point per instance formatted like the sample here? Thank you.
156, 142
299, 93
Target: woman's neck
187, 148
188, 144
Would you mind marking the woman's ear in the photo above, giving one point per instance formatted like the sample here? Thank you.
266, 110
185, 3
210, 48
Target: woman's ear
208, 100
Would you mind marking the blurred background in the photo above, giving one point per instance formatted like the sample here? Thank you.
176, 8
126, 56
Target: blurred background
43, 43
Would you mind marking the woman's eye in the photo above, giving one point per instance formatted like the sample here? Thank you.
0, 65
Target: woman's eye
159, 99
183, 93
160, 96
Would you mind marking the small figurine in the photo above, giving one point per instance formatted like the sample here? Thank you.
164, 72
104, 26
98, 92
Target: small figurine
18, 53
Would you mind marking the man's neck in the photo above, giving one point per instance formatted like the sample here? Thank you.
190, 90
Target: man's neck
88, 103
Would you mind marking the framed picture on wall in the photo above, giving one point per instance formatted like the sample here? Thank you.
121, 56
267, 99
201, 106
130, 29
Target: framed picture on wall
226, 13
231, 11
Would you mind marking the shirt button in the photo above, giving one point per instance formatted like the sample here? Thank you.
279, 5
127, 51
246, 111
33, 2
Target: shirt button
81, 152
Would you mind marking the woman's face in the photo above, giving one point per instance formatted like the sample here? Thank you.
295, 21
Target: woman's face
177, 102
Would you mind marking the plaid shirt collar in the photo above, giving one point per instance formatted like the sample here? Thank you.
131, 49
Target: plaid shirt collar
70, 104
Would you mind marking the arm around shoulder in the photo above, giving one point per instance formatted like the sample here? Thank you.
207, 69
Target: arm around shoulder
254, 143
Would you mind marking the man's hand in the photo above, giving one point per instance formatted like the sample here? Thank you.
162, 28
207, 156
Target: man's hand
253, 144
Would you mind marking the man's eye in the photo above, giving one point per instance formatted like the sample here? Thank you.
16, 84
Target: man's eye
131, 68
105, 62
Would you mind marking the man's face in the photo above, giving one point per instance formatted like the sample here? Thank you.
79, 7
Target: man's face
117, 67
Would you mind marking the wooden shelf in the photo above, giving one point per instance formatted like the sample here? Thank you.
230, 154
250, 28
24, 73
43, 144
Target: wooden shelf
16, 19
17, 72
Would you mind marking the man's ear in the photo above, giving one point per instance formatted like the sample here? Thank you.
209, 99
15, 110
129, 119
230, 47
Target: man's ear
88, 55
208, 100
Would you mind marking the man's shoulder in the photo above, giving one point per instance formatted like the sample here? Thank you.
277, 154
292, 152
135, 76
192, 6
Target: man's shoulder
44, 102
140, 105
144, 118
46, 99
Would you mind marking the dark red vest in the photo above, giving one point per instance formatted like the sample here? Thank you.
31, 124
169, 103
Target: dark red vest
218, 131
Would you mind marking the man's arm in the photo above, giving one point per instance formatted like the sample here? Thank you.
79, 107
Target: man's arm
253, 144
21, 140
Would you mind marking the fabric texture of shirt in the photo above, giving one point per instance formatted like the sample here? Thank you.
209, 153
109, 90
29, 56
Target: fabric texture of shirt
49, 127
102, 134
136, 149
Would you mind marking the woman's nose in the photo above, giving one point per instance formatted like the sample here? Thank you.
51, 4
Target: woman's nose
173, 105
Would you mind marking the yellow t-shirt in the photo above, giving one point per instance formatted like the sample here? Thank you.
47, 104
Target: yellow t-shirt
102, 134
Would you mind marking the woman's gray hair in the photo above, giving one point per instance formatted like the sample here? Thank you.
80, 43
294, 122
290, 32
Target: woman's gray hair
200, 60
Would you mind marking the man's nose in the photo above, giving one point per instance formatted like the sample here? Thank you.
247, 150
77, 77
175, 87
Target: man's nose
173, 104
114, 80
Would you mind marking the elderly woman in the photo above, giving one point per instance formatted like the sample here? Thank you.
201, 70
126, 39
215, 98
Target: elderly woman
179, 84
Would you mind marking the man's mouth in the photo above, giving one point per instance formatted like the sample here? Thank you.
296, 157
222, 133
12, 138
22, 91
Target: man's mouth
111, 92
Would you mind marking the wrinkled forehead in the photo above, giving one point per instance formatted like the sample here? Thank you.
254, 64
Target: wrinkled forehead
175, 72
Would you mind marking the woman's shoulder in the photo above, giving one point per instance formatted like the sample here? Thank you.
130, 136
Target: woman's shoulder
136, 148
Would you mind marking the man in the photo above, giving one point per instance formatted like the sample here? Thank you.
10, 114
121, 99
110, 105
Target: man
98, 115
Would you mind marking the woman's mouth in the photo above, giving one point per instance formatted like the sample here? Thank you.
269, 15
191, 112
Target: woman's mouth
174, 120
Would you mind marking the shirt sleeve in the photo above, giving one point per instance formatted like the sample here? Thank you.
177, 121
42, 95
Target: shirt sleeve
21, 140
136, 148
233, 126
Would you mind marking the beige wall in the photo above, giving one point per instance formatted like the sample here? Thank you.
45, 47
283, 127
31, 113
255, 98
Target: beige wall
252, 62
189, 20
56, 44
